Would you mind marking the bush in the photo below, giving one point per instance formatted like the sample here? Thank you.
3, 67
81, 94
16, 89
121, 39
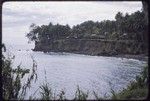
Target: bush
11, 79
136, 89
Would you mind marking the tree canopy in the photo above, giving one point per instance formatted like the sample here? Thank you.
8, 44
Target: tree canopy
124, 27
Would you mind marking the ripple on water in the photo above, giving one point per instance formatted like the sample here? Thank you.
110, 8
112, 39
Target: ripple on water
66, 71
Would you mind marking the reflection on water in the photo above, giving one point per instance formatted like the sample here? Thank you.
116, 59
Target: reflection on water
92, 73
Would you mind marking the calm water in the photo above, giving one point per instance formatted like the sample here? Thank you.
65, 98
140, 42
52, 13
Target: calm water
64, 71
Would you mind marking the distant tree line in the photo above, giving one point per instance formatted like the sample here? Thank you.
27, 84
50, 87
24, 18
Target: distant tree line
125, 27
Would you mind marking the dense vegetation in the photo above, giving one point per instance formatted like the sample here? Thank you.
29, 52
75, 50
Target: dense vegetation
12, 77
127, 34
125, 27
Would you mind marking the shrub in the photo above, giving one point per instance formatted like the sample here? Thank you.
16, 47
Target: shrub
11, 79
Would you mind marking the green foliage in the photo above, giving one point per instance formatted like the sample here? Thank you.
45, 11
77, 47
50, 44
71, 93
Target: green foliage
97, 97
80, 95
31, 77
125, 27
11, 78
62, 95
137, 93
46, 92
136, 89
33, 34
45, 33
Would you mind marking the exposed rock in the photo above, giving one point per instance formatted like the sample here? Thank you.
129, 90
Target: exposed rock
93, 47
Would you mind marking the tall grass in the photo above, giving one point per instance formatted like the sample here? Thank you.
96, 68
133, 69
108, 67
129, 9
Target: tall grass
80, 95
12, 87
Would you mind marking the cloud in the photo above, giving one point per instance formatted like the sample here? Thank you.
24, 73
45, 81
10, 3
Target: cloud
17, 16
18, 13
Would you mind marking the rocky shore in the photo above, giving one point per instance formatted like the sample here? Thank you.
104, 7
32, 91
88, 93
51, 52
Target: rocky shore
140, 57
121, 48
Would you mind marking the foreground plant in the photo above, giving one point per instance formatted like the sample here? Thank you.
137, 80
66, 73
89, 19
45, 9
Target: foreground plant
12, 87
137, 89
80, 95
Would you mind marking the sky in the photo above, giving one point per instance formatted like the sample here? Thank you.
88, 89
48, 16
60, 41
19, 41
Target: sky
18, 16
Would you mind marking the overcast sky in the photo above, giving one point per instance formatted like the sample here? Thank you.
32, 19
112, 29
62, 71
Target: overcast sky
17, 16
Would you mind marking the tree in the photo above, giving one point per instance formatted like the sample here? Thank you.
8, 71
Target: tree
33, 34
119, 18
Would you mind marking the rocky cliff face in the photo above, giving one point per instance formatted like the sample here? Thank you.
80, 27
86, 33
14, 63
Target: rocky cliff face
93, 47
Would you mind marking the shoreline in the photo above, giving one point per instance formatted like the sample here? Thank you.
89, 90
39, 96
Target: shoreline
141, 57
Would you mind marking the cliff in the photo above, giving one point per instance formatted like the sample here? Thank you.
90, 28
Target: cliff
93, 47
